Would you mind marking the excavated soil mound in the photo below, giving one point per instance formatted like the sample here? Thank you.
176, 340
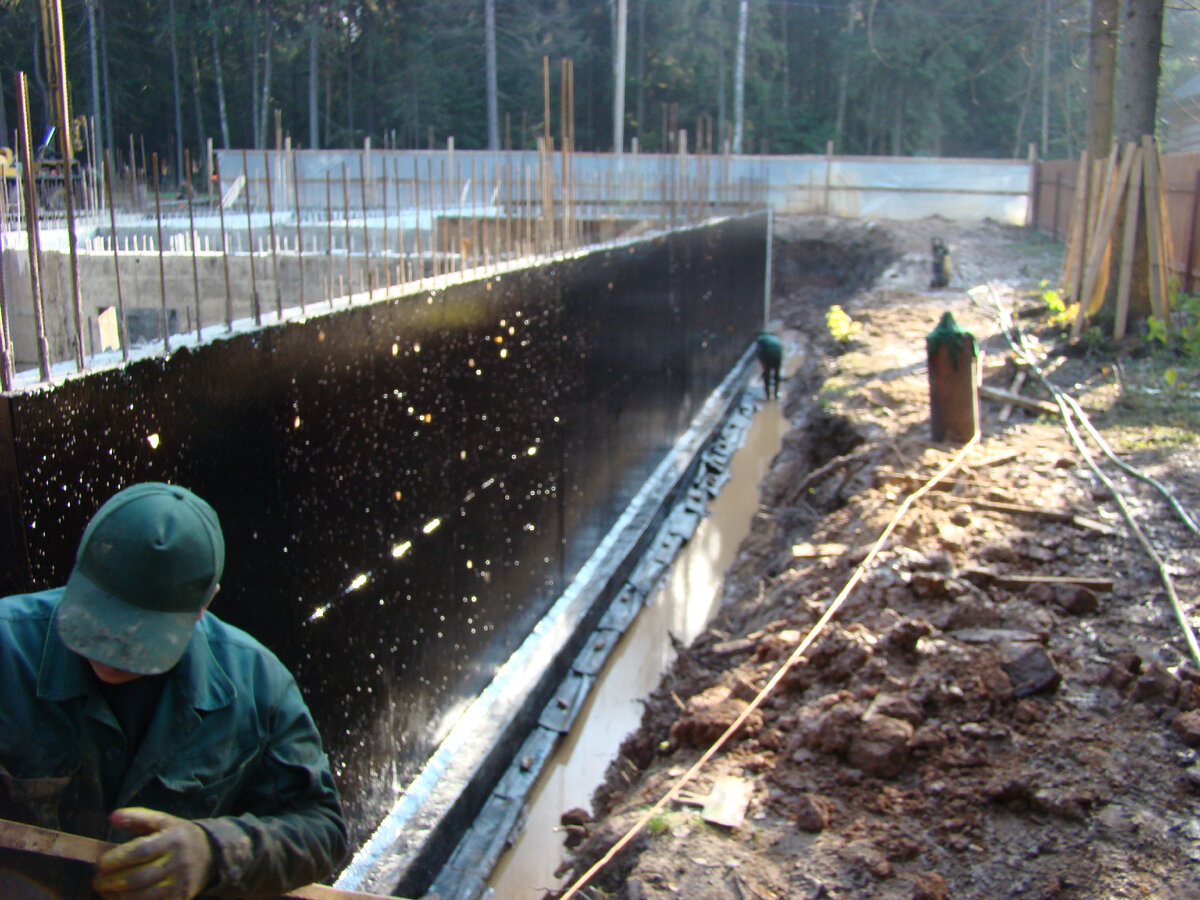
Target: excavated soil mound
1004, 705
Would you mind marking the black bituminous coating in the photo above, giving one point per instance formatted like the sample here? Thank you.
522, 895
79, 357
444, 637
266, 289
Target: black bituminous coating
404, 486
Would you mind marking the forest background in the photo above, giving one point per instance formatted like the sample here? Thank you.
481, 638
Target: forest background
954, 78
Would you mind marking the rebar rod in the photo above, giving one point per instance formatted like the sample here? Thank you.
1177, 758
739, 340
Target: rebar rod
187, 168
224, 244
122, 326
271, 230
31, 227
162, 273
299, 231
250, 239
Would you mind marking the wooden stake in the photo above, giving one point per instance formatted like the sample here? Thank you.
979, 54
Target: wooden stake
1095, 280
1158, 300
1073, 261
1128, 245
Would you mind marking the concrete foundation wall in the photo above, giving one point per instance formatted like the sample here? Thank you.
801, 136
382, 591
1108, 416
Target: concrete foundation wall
181, 283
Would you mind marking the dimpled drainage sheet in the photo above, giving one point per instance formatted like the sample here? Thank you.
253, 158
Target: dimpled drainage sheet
405, 486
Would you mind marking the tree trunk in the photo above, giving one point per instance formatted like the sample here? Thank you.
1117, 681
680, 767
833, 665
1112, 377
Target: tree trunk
177, 107
216, 52
93, 59
1102, 68
314, 125
264, 103
201, 136
1139, 62
641, 75
839, 126
619, 79
493, 106
255, 120
739, 78
787, 75
107, 99
1045, 79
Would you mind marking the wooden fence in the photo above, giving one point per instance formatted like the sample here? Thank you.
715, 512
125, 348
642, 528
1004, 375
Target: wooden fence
1054, 195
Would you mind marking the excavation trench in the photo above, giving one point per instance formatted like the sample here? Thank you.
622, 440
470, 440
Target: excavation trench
677, 610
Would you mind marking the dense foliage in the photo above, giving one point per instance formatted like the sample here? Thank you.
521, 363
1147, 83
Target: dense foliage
932, 77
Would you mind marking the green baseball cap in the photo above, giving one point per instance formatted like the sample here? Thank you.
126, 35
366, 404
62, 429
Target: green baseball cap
148, 562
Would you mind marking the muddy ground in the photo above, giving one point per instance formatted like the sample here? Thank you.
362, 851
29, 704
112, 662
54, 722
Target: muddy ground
954, 731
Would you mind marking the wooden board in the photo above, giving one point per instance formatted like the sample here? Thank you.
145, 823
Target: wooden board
1128, 245
75, 849
1102, 585
1158, 299
727, 802
1095, 279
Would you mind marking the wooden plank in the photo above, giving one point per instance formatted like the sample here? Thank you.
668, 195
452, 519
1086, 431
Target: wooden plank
1102, 585
74, 847
727, 802
1055, 514
1153, 224
1092, 296
1167, 247
1072, 262
1039, 406
1014, 388
1089, 229
1128, 245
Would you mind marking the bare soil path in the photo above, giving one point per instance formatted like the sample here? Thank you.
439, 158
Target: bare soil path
969, 725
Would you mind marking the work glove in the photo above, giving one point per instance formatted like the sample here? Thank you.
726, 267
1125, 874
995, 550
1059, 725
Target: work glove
174, 860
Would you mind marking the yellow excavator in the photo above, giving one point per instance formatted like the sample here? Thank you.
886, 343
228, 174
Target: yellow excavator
47, 165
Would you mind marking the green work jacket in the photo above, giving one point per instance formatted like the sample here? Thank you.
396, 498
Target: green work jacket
231, 745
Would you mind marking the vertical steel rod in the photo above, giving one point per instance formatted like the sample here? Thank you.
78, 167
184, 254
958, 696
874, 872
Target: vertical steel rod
416, 191
187, 168
56, 70
399, 222
346, 215
257, 310
328, 241
368, 272
31, 228
216, 164
387, 267
162, 275
122, 330
271, 227
299, 231
7, 363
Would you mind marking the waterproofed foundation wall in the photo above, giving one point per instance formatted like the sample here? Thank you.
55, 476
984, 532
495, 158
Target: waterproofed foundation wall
405, 486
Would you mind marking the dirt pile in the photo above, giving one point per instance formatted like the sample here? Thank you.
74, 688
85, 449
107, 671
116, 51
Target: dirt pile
1003, 705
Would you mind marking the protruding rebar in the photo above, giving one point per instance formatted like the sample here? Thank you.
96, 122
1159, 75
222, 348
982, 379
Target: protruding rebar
162, 273
122, 325
187, 182
31, 227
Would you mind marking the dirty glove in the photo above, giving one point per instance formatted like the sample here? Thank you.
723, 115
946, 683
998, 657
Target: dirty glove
174, 860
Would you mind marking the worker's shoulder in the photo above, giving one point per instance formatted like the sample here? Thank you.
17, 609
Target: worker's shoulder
31, 608
233, 646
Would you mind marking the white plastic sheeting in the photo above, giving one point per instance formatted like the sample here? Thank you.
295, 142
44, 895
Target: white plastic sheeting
880, 187
900, 188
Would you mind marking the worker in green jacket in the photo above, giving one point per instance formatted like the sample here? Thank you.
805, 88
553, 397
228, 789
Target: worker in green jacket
769, 350
129, 711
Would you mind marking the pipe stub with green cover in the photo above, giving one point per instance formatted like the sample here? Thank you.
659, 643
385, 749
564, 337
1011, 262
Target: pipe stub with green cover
953, 337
